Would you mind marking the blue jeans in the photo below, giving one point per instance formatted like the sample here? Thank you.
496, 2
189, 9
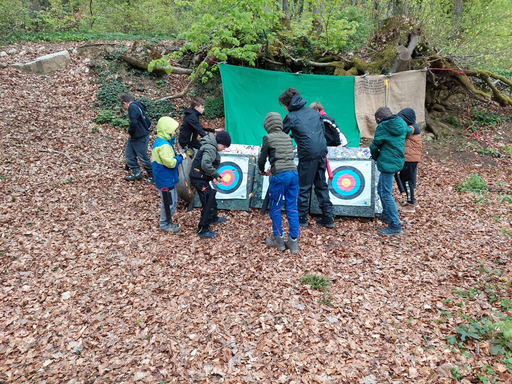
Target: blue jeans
385, 191
284, 184
138, 148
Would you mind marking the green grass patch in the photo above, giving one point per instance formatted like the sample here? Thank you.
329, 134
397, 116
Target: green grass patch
473, 183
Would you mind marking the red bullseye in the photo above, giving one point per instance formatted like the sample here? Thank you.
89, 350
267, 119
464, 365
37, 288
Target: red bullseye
228, 176
346, 182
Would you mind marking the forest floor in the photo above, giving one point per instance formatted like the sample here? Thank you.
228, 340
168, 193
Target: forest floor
92, 292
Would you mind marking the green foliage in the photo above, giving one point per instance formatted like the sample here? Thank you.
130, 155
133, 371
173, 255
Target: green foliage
453, 121
316, 282
110, 90
483, 117
488, 152
473, 184
213, 108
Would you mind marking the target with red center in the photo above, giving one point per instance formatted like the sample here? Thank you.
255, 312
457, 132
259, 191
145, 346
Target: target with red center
347, 183
232, 177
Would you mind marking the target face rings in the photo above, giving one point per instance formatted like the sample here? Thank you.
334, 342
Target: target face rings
232, 177
347, 183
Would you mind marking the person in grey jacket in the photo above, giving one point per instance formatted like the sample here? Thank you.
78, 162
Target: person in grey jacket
278, 148
307, 130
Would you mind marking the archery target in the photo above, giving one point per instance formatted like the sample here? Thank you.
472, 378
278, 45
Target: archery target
351, 183
234, 175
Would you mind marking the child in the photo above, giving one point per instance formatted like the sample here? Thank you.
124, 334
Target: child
137, 144
387, 149
333, 135
191, 127
203, 171
278, 147
412, 150
165, 171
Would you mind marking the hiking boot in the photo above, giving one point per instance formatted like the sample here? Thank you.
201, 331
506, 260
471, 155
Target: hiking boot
126, 167
134, 176
303, 221
292, 245
381, 217
390, 231
327, 222
207, 234
219, 220
408, 208
150, 180
276, 242
173, 228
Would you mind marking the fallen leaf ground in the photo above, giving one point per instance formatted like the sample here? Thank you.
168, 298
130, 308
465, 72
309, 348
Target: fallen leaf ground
91, 291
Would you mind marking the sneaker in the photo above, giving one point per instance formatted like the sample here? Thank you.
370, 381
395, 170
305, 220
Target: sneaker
381, 217
292, 245
327, 222
219, 220
150, 180
134, 176
276, 242
389, 231
207, 234
408, 208
303, 221
173, 228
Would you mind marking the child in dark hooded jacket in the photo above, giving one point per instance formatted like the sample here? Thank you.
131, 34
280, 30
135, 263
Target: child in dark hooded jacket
412, 150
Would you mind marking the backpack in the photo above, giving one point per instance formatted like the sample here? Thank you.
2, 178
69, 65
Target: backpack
145, 120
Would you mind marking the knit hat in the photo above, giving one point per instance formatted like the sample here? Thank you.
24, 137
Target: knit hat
223, 138
382, 113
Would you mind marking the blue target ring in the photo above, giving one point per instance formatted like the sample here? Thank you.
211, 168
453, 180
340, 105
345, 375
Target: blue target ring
347, 183
232, 177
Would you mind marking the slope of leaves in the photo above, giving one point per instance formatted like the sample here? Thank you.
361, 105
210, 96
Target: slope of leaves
91, 291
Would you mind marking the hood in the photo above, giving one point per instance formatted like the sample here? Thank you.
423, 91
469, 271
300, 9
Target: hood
209, 139
273, 122
166, 127
296, 103
409, 117
140, 105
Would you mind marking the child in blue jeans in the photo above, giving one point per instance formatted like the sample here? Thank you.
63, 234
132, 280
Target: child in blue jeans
278, 148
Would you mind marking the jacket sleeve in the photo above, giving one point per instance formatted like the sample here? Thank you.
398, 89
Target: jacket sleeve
337, 133
209, 156
168, 157
196, 125
287, 124
262, 159
133, 118
376, 144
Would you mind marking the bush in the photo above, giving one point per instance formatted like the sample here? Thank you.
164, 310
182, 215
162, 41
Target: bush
473, 184
213, 108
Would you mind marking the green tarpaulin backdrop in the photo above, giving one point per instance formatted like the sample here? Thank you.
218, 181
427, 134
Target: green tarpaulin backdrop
249, 94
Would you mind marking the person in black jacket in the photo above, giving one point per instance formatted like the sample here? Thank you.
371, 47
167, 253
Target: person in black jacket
333, 135
138, 140
191, 127
307, 130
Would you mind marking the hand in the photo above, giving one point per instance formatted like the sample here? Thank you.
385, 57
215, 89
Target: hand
267, 173
217, 180
183, 156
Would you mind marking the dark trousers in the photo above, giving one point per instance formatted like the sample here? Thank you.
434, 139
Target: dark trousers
138, 149
205, 192
312, 172
408, 177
